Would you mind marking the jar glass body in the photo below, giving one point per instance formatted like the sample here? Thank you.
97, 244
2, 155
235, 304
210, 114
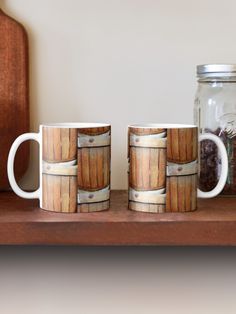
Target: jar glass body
215, 112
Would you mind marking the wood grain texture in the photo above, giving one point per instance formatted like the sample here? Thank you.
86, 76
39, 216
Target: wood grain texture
93, 207
14, 94
147, 168
22, 222
59, 193
59, 182
75, 161
94, 162
59, 144
146, 131
148, 208
182, 145
141, 131
95, 131
93, 168
181, 190
181, 193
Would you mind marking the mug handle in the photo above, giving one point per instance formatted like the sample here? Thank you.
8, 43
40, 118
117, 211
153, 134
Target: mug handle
224, 166
10, 165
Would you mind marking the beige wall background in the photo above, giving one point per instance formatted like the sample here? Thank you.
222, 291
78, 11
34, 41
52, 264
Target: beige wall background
119, 62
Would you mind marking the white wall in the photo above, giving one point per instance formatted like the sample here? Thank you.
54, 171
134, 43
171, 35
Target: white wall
119, 62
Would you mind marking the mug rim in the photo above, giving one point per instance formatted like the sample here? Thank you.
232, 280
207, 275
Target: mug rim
161, 126
76, 125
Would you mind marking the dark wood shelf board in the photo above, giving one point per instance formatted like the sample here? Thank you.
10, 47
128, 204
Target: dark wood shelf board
23, 222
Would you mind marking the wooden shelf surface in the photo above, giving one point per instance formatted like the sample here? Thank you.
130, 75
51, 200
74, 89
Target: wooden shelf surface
23, 222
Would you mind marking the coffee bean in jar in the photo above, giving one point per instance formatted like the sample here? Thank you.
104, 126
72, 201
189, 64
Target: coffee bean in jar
215, 112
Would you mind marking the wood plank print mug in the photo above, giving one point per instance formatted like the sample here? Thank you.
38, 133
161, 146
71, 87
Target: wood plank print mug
74, 167
163, 167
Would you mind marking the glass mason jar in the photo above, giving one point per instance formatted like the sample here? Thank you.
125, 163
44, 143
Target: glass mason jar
215, 112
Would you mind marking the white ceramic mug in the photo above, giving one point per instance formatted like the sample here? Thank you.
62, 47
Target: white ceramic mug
163, 167
74, 167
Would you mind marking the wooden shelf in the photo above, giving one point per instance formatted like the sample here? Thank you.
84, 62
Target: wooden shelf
23, 222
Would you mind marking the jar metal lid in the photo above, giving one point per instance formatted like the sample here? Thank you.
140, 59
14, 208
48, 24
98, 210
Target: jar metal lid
216, 70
